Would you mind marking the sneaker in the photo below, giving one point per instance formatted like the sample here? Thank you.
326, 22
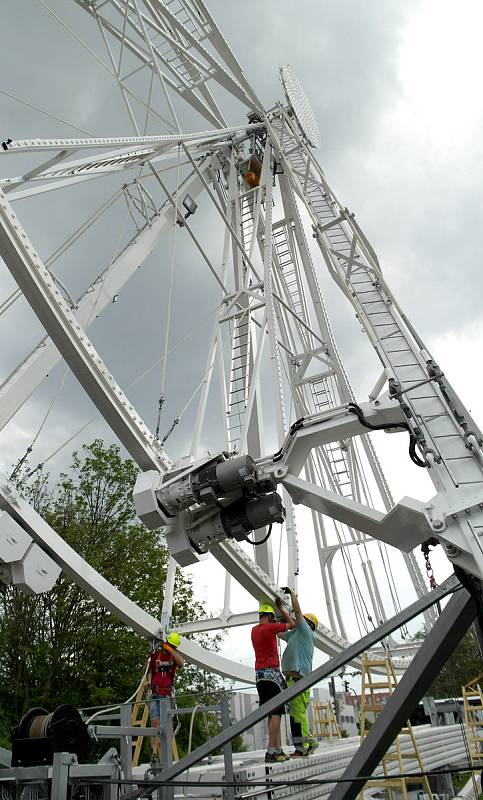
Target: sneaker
297, 754
311, 748
275, 758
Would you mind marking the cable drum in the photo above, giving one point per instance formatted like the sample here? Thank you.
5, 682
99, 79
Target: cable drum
39, 735
39, 725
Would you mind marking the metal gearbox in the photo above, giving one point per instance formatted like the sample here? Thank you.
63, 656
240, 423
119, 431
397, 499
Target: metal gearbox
206, 502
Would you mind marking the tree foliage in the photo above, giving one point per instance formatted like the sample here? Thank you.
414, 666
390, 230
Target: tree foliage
463, 664
62, 646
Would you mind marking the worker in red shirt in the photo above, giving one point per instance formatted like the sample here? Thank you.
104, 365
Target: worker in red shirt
163, 664
270, 681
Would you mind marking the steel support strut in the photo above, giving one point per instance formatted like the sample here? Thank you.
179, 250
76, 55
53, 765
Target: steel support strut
446, 634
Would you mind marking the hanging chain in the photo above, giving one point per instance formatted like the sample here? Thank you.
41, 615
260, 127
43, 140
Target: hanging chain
427, 563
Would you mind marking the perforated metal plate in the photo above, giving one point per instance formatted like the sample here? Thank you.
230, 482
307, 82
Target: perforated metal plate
298, 102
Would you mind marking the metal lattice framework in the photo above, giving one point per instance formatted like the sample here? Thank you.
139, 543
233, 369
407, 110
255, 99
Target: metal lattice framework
271, 356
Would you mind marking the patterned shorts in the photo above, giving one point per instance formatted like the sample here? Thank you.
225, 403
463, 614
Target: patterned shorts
270, 682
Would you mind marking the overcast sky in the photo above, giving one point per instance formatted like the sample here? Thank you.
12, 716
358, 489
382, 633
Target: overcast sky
396, 89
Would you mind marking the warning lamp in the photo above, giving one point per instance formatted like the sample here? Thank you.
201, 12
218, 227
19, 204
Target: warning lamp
252, 179
251, 172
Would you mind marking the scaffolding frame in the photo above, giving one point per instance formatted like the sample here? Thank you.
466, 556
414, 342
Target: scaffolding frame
474, 718
378, 676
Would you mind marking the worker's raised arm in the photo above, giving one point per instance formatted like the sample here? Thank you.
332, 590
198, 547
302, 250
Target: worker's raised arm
290, 623
177, 657
296, 606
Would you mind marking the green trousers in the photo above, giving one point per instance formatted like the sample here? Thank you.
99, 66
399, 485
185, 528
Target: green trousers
299, 723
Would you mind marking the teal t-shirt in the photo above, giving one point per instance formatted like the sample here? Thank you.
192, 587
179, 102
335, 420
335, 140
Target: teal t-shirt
299, 651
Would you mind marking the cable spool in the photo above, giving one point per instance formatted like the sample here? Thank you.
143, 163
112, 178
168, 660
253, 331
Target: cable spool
39, 735
39, 726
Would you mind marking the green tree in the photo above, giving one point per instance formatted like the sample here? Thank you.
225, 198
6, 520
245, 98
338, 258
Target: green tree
463, 664
63, 647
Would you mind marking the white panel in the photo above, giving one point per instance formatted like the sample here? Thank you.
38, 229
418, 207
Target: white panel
14, 541
36, 573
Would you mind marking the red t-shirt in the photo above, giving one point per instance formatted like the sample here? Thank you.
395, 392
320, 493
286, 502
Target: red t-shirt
162, 669
264, 641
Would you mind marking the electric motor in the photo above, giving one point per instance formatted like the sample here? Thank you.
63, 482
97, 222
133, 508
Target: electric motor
240, 518
217, 480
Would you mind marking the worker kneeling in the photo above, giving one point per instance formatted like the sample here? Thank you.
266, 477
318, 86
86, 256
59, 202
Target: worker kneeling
163, 664
296, 664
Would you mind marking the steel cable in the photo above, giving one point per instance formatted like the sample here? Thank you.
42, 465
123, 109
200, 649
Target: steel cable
168, 316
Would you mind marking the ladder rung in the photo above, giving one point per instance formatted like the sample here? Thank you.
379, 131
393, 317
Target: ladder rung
381, 685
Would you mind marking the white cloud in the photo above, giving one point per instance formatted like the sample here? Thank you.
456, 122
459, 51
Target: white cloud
440, 67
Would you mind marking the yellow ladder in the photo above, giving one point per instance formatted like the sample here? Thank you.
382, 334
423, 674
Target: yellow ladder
139, 718
474, 718
384, 682
325, 723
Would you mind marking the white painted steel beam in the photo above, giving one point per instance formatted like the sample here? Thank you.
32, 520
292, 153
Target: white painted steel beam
444, 430
21, 383
404, 526
171, 140
217, 623
76, 568
173, 48
123, 153
41, 292
335, 424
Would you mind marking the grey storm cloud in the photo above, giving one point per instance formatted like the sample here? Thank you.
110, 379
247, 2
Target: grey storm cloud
421, 212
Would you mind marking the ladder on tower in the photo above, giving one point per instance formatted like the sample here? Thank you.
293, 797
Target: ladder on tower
239, 377
289, 270
139, 719
247, 218
378, 678
241, 350
325, 723
473, 710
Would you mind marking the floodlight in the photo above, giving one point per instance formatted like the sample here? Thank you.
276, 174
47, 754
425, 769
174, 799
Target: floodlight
298, 102
190, 206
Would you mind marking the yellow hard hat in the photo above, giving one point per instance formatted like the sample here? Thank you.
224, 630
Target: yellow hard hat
174, 639
266, 608
312, 618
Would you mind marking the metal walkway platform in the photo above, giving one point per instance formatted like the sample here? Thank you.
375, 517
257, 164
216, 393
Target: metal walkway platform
439, 747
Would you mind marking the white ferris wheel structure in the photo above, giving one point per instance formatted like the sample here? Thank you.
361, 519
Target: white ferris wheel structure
271, 421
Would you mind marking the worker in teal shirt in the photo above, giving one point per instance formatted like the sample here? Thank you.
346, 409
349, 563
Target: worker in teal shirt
296, 664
